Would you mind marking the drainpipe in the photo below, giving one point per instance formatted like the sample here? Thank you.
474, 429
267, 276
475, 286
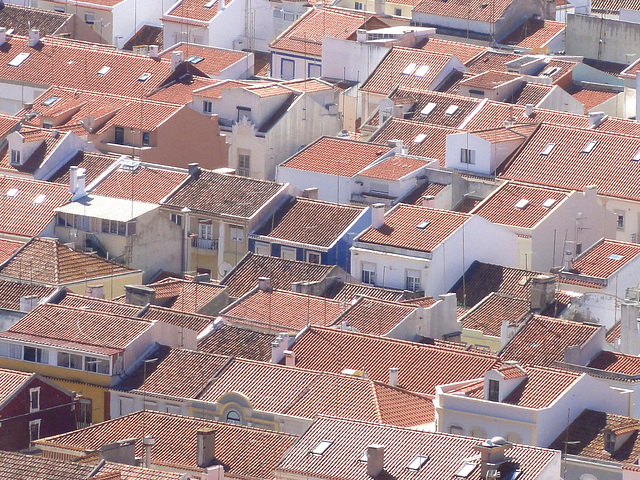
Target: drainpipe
185, 240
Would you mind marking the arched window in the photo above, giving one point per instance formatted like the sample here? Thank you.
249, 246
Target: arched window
234, 417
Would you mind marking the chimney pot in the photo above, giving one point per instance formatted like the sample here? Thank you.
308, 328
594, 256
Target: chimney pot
377, 215
153, 51
528, 109
596, 118
177, 58
290, 358
394, 375
95, 291
193, 168
428, 201
206, 447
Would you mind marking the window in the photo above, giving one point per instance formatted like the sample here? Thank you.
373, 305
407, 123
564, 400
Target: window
412, 280
466, 469
34, 399
70, 360
58, 9
35, 354
116, 228
369, 273
578, 248
417, 463
10, 350
150, 405
288, 253
234, 418
207, 106
145, 139
34, 430
620, 219
321, 447
15, 157
358, 6
547, 149
287, 69
397, 12
205, 230
119, 136
476, 93
237, 234
314, 257
47, 124
456, 429
243, 112
377, 187
494, 390
126, 405
263, 248
244, 164
314, 70
89, 18
175, 218
97, 365
609, 442
467, 156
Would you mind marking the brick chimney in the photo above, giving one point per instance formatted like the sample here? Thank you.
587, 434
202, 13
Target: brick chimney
543, 292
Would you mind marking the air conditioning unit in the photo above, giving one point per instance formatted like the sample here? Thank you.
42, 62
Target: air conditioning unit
332, 108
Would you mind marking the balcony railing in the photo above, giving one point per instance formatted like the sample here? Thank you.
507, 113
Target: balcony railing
204, 244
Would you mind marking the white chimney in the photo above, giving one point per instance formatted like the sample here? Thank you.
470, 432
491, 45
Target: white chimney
311, 193
205, 444
528, 109
596, 118
394, 375
377, 215
34, 37
153, 51
28, 303
148, 441
428, 201
176, 59
375, 460
3, 36
361, 35
289, 358
77, 183
379, 7
264, 284
215, 473
73, 179
590, 191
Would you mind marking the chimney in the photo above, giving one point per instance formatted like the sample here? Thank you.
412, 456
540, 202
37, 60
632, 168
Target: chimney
3, 36
194, 169
528, 109
491, 454
34, 37
215, 473
361, 35
543, 292
95, 291
398, 147
176, 59
73, 179
55, 133
379, 6
28, 303
153, 51
311, 193
428, 201
375, 460
206, 440
596, 118
264, 284
289, 358
122, 451
148, 441
139, 295
629, 333
590, 191
77, 182
377, 215
394, 374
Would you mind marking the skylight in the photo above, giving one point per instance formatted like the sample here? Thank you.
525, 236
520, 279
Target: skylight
364, 457
636, 157
409, 69
522, 204
17, 61
422, 225
549, 202
12, 192
417, 463
430, 107
51, 100
321, 447
39, 199
210, 4
615, 256
144, 77
421, 71
466, 469
195, 59
589, 146
547, 149
420, 138
550, 71
450, 112
104, 70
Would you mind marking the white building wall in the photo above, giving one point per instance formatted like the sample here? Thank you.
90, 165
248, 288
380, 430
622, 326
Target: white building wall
331, 188
349, 60
14, 96
559, 99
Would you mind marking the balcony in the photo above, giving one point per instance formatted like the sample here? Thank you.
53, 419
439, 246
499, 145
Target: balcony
204, 244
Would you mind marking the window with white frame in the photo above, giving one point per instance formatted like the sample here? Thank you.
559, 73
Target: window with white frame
398, 12
34, 430
10, 350
314, 70
619, 219
288, 253
205, 230
368, 273
244, 164
412, 280
467, 156
207, 106
15, 157
35, 354
175, 218
96, 365
114, 227
263, 248
34, 399
237, 234
70, 360
314, 257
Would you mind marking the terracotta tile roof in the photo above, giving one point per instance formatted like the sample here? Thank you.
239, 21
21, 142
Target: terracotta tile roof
177, 373
534, 33
614, 332
616, 362
16, 465
8, 123
422, 366
465, 52
49, 262
77, 329
609, 164
215, 90
99, 304
94, 164
147, 183
491, 60
394, 168
446, 453
415, 196
306, 393
620, 125
590, 98
433, 145
309, 85
175, 445
192, 10
530, 94
390, 71
510, 371
23, 19
506, 133
281, 310
423, 302
220, 194
490, 79
215, 60
305, 35
476, 10
190, 321
493, 115
47, 144
346, 292
335, 156
612, 68
20, 215
10, 382
400, 228
10, 292
543, 340
147, 35
8, 248
602, 260
588, 430
488, 315
374, 316
500, 206
238, 341
184, 295
310, 222
244, 276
